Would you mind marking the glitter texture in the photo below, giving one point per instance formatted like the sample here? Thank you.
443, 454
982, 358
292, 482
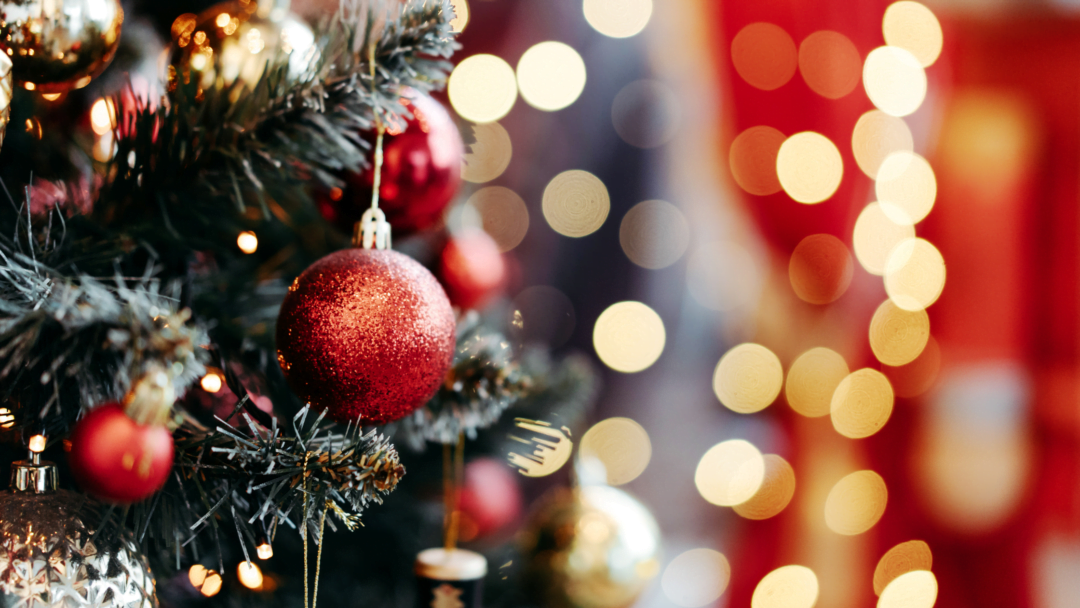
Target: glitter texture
366, 335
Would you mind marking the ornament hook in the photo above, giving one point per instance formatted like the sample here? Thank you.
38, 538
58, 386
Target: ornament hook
372, 231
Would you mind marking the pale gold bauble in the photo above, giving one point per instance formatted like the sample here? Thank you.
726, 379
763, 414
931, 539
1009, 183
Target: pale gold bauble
233, 42
59, 45
593, 547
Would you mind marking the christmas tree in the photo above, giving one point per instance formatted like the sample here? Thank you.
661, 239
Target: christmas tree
214, 367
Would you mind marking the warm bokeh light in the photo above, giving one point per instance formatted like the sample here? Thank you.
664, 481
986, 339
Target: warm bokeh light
482, 88
875, 137
102, 116
862, 403
906, 187
730, 473
914, 28
901, 559
618, 18
917, 377
915, 274
211, 382
876, 236
553, 448
753, 160
748, 378
696, 578
813, 379
723, 276
503, 215
212, 585
764, 55
250, 575
37, 444
775, 493
247, 241
7, 419
856, 503
918, 589
646, 114
894, 80
820, 269
654, 234
809, 167
629, 337
829, 63
786, 587
542, 314
265, 550
197, 575
461, 15
576, 203
621, 445
550, 76
489, 155
898, 336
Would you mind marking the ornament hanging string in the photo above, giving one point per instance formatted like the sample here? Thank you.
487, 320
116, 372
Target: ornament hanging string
373, 231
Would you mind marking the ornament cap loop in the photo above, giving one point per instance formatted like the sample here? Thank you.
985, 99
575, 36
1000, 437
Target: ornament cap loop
372, 231
34, 477
450, 564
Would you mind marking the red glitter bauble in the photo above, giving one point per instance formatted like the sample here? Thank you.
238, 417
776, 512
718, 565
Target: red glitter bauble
472, 269
421, 171
117, 459
366, 335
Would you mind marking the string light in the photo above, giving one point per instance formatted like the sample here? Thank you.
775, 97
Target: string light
250, 575
894, 80
856, 503
482, 88
211, 382
576, 203
764, 55
748, 378
621, 445
809, 167
503, 215
265, 550
37, 444
862, 404
7, 419
696, 578
550, 76
618, 18
786, 587
247, 241
829, 64
753, 160
730, 473
629, 337
775, 493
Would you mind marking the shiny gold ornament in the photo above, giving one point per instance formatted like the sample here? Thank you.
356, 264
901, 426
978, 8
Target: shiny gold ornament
233, 42
594, 547
59, 45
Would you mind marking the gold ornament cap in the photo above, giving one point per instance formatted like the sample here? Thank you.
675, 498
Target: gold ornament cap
36, 477
450, 565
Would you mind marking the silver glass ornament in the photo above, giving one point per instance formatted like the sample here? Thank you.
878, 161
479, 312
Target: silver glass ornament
49, 556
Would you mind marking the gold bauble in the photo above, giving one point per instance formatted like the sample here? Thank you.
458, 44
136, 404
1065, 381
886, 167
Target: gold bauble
6, 90
233, 41
59, 45
593, 547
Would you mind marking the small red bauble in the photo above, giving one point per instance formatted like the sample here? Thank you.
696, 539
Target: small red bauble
421, 171
118, 460
472, 269
366, 335
490, 497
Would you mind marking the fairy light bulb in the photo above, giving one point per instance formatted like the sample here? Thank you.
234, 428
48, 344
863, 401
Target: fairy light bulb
250, 575
37, 444
211, 382
247, 241
264, 550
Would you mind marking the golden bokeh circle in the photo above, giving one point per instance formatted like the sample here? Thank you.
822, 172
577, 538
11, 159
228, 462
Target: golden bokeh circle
786, 587
894, 80
621, 445
764, 55
629, 337
550, 76
618, 18
862, 403
830, 64
876, 236
809, 167
813, 379
489, 155
503, 215
856, 503
775, 493
901, 559
906, 187
748, 378
482, 88
917, 589
820, 269
913, 27
730, 473
576, 203
753, 160
875, 137
915, 274
696, 578
461, 16
898, 336
654, 234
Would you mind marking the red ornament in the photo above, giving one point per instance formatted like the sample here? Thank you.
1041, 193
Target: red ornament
421, 171
490, 498
117, 459
472, 269
365, 334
